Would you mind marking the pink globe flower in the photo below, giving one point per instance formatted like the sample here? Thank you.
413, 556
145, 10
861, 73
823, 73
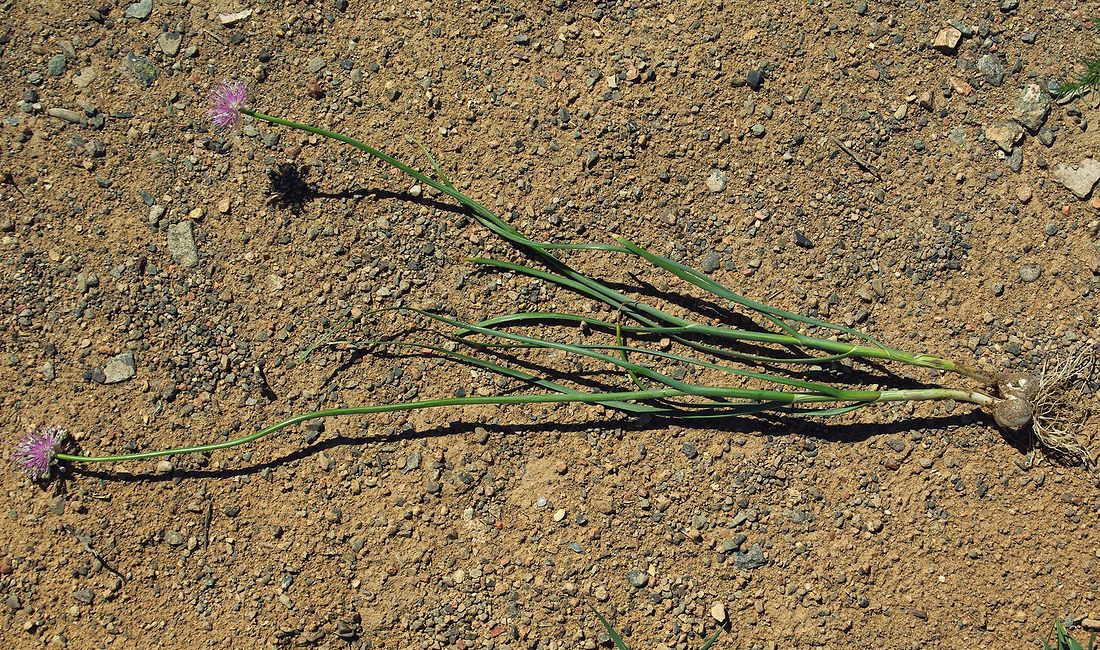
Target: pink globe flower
34, 454
228, 97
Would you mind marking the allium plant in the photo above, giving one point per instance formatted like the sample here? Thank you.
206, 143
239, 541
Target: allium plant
743, 371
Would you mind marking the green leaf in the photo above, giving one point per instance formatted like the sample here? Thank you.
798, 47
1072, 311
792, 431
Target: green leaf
619, 643
712, 639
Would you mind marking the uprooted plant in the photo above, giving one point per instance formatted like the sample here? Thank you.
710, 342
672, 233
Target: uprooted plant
767, 365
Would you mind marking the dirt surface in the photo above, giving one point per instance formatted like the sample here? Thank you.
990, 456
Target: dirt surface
723, 134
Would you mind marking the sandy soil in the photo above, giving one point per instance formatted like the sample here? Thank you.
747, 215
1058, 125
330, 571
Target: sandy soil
724, 134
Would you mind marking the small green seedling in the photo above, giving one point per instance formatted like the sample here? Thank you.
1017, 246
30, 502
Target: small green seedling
617, 638
1087, 80
1063, 640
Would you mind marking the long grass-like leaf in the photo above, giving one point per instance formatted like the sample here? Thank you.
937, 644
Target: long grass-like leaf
618, 640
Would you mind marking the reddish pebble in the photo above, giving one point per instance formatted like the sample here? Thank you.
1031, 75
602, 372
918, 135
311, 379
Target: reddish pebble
5, 567
961, 87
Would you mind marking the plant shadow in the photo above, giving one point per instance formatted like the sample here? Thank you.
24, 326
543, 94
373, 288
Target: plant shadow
291, 191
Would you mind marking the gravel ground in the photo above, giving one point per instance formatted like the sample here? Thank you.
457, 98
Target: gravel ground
898, 167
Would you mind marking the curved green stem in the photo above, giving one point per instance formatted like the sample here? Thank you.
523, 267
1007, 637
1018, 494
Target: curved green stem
587, 398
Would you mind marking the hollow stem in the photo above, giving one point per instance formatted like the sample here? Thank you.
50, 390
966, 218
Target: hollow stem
640, 311
778, 397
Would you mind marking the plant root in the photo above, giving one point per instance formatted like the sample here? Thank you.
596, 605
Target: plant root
1061, 407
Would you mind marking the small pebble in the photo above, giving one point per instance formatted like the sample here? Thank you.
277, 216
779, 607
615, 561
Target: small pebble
754, 78
637, 578
716, 181
119, 368
140, 9
1016, 159
57, 65
1030, 273
718, 612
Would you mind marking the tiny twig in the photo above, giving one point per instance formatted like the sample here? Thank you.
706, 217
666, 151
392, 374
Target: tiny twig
214, 36
88, 547
206, 523
863, 164
8, 179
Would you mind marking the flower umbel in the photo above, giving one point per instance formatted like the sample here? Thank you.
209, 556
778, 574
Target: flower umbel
228, 98
35, 452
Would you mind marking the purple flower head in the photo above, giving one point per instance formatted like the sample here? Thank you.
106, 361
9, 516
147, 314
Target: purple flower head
228, 97
34, 453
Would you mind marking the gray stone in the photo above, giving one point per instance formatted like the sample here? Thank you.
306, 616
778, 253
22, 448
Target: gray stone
802, 241
119, 368
144, 70
181, 243
85, 281
170, 42
57, 505
751, 559
758, 130
734, 543
1016, 159
711, 262
316, 64
637, 578
1046, 137
716, 181
689, 450
174, 538
1030, 273
140, 9
992, 70
1005, 134
1078, 178
65, 114
85, 77
57, 65
1033, 107
754, 78
84, 596
957, 135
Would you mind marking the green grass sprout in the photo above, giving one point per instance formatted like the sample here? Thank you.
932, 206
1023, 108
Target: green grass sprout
1088, 79
1064, 641
617, 638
